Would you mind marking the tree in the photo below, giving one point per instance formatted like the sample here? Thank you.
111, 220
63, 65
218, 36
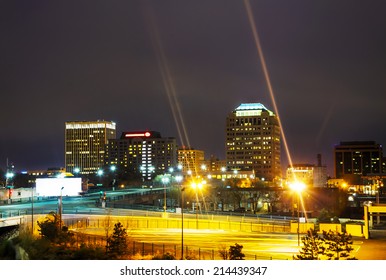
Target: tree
117, 243
235, 252
324, 216
338, 245
223, 252
331, 246
52, 229
312, 248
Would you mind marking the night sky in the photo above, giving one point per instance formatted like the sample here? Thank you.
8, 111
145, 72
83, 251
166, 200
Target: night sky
87, 60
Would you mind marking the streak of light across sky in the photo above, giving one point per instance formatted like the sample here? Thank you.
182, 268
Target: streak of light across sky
168, 81
266, 74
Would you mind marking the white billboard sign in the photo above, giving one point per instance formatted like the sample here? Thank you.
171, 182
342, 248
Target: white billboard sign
58, 186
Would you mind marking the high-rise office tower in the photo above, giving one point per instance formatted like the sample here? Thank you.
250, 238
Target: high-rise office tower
357, 158
253, 141
144, 152
85, 145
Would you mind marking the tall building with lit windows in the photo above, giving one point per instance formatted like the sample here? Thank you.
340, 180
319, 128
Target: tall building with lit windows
354, 159
144, 152
253, 141
85, 145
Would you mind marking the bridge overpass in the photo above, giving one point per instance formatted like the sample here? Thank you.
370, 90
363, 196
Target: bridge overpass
135, 219
12, 221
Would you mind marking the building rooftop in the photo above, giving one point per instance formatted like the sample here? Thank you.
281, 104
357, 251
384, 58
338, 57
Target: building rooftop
251, 106
251, 109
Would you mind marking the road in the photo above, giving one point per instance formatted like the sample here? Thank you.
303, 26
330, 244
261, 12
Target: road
79, 204
256, 245
259, 245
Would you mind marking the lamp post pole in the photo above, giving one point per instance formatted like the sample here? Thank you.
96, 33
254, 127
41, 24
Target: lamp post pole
165, 180
297, 206
61, 207
298, 187
179, 180
165, 204
32, 209
196, 187
182, 223
113, 168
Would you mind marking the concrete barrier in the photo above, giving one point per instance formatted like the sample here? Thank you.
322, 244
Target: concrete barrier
328, 227
355, 230
134, 222
303, 227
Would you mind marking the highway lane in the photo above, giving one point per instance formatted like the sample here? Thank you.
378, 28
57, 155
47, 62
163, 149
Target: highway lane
263, 246
70, 204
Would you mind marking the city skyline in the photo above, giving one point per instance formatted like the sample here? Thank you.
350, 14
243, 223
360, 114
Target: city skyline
89, 60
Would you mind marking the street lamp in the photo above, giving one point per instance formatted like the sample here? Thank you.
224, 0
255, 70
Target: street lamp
100, 174
197, 186
8, 177
178, 180
61, 207
112, 169
298, 187
32, 209
76, 171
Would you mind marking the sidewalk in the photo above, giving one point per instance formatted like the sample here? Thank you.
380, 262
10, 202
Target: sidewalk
373, 248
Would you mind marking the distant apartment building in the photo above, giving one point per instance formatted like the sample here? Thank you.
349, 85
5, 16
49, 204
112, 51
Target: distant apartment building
253, 141
191, 160
85, 145
144, 152
355, 159
214, 164
310, 174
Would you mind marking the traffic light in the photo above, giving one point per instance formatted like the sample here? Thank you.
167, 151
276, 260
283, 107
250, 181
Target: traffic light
10, 191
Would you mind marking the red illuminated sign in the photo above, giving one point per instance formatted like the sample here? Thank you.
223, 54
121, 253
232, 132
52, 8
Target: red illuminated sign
139, 134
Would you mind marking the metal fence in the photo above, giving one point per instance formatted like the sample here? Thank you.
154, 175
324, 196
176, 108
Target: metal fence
173, 223
143, 250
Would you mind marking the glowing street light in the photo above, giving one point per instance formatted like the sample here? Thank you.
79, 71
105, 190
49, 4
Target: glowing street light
298, 187
9, 175
100, 174
76, 171
197, 186
178, 178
